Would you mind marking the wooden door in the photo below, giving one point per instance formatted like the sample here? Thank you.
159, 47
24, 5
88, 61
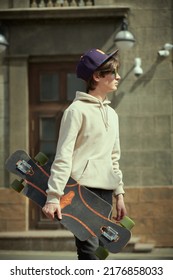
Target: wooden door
52, 87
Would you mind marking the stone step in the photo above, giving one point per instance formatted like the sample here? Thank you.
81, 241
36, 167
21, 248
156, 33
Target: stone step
131, 244
144, 247
45, 240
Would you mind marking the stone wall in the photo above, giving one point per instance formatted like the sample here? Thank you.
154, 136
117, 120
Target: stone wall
151, 209
145, 110
144, 103
13, 211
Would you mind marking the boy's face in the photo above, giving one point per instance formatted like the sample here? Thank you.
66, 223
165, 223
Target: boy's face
110, 81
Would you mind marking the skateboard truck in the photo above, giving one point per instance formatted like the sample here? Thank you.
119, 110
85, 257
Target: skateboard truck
24, 167
110, 233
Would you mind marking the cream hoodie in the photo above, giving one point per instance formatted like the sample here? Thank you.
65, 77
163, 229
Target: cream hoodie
88, 148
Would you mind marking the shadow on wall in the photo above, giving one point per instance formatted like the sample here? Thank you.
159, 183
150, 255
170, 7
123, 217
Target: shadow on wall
143, 79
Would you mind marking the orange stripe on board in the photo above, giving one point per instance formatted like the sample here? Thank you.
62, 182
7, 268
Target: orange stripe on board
80, 222
35, 187
72, 185
89, 207
43, 170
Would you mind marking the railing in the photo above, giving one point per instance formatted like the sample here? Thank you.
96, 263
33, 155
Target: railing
60, 3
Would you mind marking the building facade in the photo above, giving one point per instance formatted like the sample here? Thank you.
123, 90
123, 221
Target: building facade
37, 83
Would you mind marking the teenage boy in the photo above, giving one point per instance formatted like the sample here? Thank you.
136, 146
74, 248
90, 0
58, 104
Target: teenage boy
88, 148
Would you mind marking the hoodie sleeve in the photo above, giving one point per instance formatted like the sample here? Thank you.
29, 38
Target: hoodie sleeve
115, 162
61, 167
115, 159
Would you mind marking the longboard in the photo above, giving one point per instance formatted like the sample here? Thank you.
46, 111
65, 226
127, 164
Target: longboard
83, 213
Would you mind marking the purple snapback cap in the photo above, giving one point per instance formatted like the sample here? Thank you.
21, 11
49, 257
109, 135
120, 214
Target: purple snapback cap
90, 61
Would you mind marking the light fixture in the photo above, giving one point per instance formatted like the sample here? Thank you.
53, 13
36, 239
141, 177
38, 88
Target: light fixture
165, 51
138, 71
3, 41
124, 39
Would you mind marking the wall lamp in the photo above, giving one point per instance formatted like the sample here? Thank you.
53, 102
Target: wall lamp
138, 71
124, 39
165, 51
3, 41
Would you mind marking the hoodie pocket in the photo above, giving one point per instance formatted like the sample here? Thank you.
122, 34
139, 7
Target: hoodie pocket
78, 171
100, 173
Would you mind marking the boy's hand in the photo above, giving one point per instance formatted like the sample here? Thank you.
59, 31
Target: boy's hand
52, 209
120, 207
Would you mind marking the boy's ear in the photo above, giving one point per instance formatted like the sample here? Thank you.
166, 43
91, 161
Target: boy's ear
96, 76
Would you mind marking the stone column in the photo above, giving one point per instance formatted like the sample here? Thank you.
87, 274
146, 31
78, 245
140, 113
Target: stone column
3, 119
18, 102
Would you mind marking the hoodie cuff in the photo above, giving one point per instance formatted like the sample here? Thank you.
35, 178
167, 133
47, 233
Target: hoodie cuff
119, 190
53, 199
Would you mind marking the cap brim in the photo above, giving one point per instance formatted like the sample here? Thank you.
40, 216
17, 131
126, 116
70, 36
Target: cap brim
109, 56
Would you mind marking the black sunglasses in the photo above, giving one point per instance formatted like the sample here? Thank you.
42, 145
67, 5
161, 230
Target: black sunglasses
114, 72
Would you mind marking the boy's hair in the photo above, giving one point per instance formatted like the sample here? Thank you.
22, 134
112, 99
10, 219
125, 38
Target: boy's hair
104, 69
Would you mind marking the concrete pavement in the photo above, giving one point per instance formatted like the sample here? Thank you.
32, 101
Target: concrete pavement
155, 254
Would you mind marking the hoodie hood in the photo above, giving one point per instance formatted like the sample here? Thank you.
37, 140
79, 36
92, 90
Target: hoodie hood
88, 97
102, 105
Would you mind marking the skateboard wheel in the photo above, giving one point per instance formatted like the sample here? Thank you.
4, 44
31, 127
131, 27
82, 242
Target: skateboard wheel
127, 222
17, 185
41, 158
102, 253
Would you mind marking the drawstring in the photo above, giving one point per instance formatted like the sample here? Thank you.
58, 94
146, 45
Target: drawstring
104, 113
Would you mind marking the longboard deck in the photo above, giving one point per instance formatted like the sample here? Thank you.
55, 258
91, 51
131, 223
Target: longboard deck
83, 212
